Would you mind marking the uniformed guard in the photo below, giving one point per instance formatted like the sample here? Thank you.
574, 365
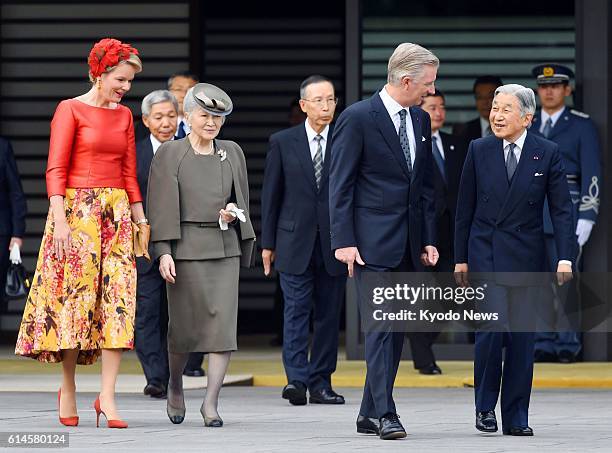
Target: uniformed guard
576, 136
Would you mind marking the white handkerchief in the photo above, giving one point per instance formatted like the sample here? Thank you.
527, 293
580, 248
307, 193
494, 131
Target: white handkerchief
237, 213
15, 255
539, 174
422, 138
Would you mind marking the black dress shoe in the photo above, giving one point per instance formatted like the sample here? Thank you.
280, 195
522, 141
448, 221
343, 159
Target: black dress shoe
391, 428
486, 422
432, 368
367, 425
196, 372
295, 392
326, 396
566, 357
155, 391
519, 431
544, 357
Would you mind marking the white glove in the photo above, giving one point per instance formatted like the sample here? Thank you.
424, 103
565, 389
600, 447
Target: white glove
15, 255
583, 230
237, 213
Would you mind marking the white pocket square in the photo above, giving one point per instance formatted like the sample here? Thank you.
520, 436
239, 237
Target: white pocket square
539, 174
422, 138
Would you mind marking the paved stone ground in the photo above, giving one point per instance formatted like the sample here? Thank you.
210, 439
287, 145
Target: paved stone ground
258, 420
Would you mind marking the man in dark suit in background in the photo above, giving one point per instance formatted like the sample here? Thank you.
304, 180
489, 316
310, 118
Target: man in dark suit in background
382, 209
448, 155
483, 89
13, 209
499, 231
295, 237
159, 115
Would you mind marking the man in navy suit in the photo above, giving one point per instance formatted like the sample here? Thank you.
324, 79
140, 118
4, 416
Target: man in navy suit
382, 208
499, 230
295, 236
13, 209
159, 115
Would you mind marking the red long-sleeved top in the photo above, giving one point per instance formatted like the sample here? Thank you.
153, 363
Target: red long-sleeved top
92, 147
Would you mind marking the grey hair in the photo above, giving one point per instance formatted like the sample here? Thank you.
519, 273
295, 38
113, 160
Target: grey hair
526, 97
190, 104
156, 97
409, 60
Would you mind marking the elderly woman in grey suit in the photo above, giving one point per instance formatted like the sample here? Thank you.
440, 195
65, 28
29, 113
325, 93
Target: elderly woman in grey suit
198, 208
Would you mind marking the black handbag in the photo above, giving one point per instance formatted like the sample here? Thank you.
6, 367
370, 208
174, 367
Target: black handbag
17, 283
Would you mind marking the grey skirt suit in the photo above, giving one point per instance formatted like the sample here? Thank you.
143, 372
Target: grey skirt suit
186, 192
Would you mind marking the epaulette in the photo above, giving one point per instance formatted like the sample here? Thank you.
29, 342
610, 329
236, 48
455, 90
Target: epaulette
579, 113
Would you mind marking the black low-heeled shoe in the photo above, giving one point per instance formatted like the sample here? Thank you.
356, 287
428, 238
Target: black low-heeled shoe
175, 414
211, 422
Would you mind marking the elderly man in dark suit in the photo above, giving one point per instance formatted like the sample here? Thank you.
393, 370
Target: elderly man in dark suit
295, 236
13, 209
499, 231
159, 115
382, 208
448, 154
484, 87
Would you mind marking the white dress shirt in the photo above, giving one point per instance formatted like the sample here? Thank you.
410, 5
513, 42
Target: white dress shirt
154, 143
393, 108
518, 149
312, 143
520, 142
485, 124
554, 117
440, 143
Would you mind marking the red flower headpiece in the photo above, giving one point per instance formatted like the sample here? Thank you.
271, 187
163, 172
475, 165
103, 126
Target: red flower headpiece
106, 54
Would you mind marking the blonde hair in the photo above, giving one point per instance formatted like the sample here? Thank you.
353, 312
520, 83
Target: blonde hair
408, 60
134, 60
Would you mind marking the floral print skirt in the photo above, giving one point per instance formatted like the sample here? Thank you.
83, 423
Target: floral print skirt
87, 300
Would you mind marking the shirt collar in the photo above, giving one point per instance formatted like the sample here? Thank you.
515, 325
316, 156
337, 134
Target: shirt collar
392, 106
438, 136
155, 143
484, 125
554, 117
311, 133
519, 141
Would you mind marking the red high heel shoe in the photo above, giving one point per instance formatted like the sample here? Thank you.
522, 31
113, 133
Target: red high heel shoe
66, 421
109, 423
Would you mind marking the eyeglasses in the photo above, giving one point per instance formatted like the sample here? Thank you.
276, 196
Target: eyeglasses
322, 102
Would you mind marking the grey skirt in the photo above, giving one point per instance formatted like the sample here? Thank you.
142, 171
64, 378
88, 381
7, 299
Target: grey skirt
203, 306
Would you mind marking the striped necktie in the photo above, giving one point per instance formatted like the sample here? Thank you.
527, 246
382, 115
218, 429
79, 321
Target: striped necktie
318, 161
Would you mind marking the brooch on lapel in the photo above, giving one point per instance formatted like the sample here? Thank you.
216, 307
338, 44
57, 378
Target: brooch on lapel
223, 154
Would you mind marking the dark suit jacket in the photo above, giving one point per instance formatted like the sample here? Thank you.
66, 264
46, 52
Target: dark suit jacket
499, 227
446, 191
144, 156
468, 131
293, 212
373, 203
13, 207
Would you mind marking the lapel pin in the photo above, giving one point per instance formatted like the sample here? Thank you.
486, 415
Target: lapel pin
536, 157
452, 147
422, 138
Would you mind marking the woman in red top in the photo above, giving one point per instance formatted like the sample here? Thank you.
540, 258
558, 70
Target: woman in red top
82, 300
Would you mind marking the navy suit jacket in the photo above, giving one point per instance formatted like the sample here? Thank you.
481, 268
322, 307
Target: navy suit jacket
499, 227
13, 207
293, 211
373, 205
144, 156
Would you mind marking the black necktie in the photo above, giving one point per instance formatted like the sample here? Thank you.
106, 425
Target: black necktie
438, 157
